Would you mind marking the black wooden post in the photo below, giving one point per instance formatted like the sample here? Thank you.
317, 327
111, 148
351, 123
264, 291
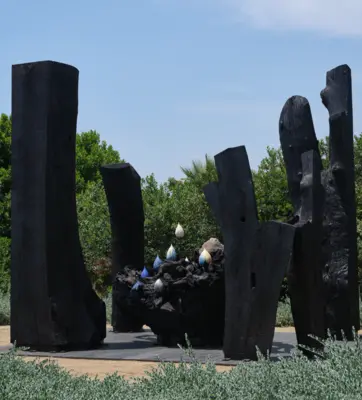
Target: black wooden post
297, 135
233, 194
305, 274
337, 98
250, 307
270, 258
303, 163
338, 241
122, 185
53, 304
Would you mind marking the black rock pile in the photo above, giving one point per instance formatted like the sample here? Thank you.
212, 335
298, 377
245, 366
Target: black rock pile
179, 297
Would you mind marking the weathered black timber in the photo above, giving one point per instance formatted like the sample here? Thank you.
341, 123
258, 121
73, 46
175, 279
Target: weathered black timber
270, 258
338, 243
337, 98
53, 305
303, 163
122, 185
233, 203
297, 135
305, 276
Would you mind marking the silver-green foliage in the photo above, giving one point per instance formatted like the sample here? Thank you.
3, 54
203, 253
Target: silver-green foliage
336, 377
284, 314
4, 308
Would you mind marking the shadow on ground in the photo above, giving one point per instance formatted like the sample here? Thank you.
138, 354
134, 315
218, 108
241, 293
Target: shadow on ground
142, 346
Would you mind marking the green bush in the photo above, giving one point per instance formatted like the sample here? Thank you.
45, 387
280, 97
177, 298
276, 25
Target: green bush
284, 314
4, 309
108, 301
337, 376
5, 244
94, 225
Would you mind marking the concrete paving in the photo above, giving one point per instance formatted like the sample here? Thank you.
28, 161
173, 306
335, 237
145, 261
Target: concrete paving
143, 347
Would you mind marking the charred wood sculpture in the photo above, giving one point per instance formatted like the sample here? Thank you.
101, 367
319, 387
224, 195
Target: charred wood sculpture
303, 164
305, 275
122, 185
53, 305
341, 271
180, 298
337, 244
256, 257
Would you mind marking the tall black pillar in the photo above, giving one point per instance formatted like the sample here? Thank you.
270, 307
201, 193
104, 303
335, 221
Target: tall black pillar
53, 304
122, 185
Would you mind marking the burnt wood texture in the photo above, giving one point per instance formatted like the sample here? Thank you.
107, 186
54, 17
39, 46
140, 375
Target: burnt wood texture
53, 305
122, 185
303, 163
338, 241
187, 299
341, 268
256, 257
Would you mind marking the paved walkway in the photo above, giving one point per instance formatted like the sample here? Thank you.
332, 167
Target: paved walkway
142, 347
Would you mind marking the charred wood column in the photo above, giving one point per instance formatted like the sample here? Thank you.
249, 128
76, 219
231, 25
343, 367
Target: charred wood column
303, 163
297, 136
338, 242
122, 185
305, 275
256, 257
53, 305
342, 269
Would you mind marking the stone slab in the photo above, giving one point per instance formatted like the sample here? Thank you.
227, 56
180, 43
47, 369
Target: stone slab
143, 346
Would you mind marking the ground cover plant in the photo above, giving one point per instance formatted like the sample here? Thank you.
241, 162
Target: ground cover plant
336, 376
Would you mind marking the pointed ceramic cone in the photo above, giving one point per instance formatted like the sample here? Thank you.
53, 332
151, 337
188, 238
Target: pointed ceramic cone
158, 285
171, 254
205, 257
144, 273
157, 262
179, 232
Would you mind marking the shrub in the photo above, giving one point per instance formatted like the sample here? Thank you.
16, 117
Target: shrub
5, 244
94, 226
337, 376
108, 301
284, 314
4, 309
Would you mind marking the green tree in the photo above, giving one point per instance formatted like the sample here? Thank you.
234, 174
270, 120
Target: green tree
92, 207
271, 188
5, 186
5, 174
190, 209
158, 217
166, 205
201, 172
91, 153
324, 151
95, 233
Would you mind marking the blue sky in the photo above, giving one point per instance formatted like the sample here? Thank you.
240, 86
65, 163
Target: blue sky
167, 81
